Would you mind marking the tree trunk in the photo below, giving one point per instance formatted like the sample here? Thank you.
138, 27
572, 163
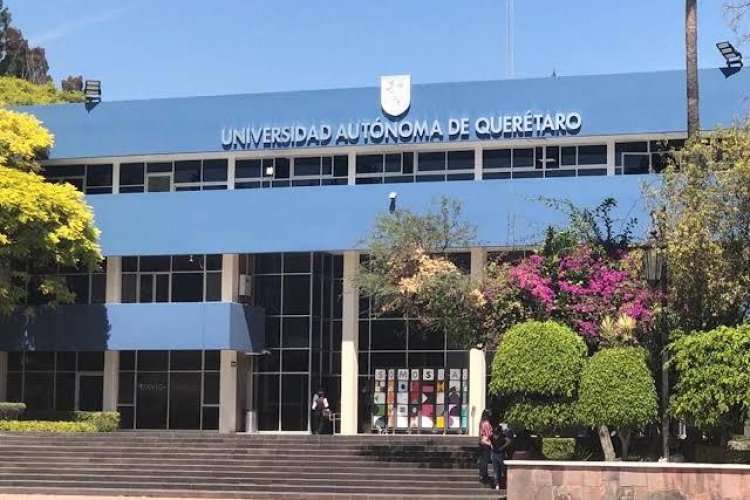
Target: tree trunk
624, 436
691, 64
606, 440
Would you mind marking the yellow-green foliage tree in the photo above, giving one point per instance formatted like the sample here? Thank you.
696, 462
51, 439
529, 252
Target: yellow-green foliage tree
702, 207
43, 226
15, 92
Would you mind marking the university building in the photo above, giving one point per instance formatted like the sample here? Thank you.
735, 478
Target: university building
232, 224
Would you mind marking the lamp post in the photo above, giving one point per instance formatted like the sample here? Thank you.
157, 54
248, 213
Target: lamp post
655, 269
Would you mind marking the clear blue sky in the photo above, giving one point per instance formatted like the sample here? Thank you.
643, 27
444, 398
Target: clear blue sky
159, 48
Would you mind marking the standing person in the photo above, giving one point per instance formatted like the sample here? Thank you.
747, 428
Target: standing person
320, 411
485, 447
501, 441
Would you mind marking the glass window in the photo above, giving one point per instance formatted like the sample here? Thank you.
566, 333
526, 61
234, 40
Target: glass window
431, 162
187, 287
187, 262
295, 360
211, 360
496, 158
155, 263
213, 262
99, 175
267, 291
131, 174
568, 157
159, 167
340, 166
523, 158
213, 287
388, 335
307, 166
187, 171
152, 360
210, 388
215, 170
296, 332
393, 163
129, 288
185, 401
91, 361
592, 155
369, 164
296, 294
159, 183
247, 168
460, 160
297, 262
281, 168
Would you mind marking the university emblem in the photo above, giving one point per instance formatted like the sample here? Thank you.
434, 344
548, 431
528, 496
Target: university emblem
395, 94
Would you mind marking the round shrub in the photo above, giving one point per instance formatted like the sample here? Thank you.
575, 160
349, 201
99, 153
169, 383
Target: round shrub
11, 411
538, 358
555, 448
544, 416
617, 389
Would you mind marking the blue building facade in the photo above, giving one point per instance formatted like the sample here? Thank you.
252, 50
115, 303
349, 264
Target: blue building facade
231, 224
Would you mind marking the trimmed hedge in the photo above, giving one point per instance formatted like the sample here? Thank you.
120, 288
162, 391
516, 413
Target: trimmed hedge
556, 448
45, 426
103, 421
11, 411
718, 455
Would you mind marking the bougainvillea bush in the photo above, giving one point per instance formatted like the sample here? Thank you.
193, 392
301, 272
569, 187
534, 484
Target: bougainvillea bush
579, 285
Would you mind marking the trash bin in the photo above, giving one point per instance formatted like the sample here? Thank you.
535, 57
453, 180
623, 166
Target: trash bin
251, 421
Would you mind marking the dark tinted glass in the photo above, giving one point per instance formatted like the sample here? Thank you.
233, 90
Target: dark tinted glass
185, 401
66, 361
393, 163
295, 360
187, 262
129, 288
326, 165
552, 155
213, 262
210, 360
129, 264
187, 287
98, 288
273, 332
407, 163
388, 335
295, 332
569, 156
496, 158
131, 174
152, 360
155, 263
592, 155
297, 262
159, 167
126, 388
267, 263
79, 285
213, 287
296, 295
127, 360
162, 288
369, 164
90, 361
187, 171
151, 401
460, 160
65, 171
307, 166
214, 170
185, 360
210, 418
281, 168
628, 147
267, 290
430, 162
40, 361
211, 388
98, 175
294, 395
340, 166
523, 158
247, 168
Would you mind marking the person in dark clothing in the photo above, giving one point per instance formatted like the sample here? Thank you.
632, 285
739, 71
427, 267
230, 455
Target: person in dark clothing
485, 447
321, 411
501, 440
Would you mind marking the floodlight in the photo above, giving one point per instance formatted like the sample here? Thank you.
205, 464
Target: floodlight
392, 201
732, 56
92, 91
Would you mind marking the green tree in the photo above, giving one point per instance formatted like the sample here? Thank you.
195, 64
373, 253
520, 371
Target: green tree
712, 389
43, 226
617, 390
537, 367
701, 206
407, 270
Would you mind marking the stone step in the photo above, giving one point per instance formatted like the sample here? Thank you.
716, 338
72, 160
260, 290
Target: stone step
277, 495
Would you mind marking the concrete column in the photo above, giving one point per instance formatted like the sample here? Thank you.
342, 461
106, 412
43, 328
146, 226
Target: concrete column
477, 389
116, 177
228, 408
478, 263
230, 276
113, 293
477, 365
350, 346
111, 380
478, 163
3, 376
231, 171
610, 157
352, 180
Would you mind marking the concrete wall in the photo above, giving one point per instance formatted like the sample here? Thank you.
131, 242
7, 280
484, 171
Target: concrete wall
536, 480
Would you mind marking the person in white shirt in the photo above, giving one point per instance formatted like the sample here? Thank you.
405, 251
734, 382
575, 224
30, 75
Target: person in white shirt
321, 411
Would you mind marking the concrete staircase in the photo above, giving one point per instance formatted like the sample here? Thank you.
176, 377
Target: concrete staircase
210, 465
